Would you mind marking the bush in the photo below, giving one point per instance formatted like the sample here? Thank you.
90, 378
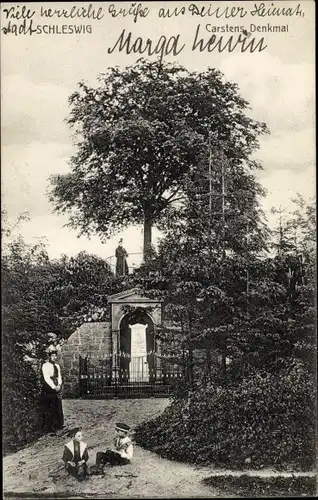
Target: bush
265, 420
21, 417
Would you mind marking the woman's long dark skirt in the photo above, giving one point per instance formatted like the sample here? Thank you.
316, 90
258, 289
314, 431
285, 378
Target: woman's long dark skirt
52, 411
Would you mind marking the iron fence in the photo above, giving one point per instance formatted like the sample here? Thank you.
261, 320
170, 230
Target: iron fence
129, 377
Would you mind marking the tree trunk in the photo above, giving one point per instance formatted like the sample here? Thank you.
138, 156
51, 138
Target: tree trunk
147, 236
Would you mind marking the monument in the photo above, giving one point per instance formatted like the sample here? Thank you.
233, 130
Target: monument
138, 367
134, 319
121, 260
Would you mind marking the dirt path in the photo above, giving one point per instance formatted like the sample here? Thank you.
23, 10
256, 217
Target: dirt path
35, 469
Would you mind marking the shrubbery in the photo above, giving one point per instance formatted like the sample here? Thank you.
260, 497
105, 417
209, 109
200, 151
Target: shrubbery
21, 418
264, 420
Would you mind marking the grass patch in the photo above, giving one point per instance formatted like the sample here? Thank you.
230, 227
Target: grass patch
252, 486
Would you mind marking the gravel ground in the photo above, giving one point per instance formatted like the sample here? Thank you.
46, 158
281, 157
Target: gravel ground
38, 469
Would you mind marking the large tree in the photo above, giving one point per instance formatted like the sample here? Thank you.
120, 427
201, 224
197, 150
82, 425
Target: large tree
255, 307
138, 132
202, 266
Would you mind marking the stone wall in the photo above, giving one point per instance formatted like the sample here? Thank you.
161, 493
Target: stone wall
90, 338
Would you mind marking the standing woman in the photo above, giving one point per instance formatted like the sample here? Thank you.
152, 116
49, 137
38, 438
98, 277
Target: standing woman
53, 419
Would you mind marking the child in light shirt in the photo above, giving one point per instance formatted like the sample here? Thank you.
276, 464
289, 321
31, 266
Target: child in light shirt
123, 452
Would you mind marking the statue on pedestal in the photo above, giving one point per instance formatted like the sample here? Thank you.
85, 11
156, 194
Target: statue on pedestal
121, 262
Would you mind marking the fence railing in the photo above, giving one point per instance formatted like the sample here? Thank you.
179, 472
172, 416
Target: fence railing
125, 376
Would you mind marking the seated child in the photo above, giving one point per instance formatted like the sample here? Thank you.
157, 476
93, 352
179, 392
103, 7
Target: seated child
123, 452
75, 455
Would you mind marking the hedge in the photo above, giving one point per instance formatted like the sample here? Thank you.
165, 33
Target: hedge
264, 420
21, 412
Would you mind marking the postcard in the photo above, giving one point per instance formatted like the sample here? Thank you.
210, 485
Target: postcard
158, 214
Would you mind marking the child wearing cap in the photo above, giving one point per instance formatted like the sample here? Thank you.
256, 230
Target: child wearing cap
75, 455
123, 452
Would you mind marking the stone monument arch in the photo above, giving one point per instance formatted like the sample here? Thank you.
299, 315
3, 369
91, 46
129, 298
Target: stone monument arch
134, 319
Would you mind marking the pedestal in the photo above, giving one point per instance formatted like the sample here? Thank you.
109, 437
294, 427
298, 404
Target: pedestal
138, 368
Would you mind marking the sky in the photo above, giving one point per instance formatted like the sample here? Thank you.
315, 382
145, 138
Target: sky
39, 72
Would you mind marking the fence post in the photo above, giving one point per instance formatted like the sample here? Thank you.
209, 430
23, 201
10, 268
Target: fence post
82, 376
116, 368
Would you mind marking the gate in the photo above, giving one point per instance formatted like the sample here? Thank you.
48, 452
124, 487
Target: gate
129, 377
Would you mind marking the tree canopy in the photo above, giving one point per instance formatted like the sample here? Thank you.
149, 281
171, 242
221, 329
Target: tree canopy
138, 133
252, 306
43, 296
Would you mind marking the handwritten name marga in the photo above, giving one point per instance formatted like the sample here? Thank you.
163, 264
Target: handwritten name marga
164, 46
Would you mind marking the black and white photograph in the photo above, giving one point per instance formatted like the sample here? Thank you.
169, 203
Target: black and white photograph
158, 249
